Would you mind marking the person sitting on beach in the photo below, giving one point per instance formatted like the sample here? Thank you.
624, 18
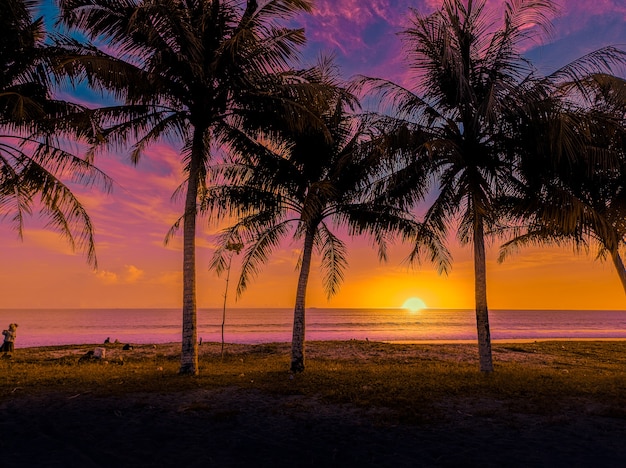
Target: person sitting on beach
9, 339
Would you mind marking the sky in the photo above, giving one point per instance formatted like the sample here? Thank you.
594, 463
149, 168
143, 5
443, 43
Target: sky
136, 269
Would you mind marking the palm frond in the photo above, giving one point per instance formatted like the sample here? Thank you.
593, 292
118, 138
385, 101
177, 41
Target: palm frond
538, 238
600, 61
258, 251
64, 211
334, 260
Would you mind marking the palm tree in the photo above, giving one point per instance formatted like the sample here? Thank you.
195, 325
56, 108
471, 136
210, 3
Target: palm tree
579, 197
192, 71
34, 131
303, 184
459, 121
469, 72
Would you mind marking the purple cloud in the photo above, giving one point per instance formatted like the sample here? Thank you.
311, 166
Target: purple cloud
363, 35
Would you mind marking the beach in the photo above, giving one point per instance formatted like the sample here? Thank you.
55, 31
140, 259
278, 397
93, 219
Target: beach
358, 404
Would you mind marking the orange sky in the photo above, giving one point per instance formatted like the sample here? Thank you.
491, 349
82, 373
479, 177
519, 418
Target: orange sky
136, 270
41, 272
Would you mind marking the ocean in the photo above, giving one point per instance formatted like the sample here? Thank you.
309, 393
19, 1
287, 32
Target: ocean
49, 327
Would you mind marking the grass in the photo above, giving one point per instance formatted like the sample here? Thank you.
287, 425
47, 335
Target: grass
414, 382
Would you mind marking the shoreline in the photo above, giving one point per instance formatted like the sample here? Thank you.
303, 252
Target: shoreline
499, 341
503, 340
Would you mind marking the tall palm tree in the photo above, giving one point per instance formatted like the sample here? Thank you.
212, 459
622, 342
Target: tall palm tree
303, 184
193, 71
34, 128
458, 120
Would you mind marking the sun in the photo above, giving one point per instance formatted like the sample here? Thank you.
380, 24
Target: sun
414, 304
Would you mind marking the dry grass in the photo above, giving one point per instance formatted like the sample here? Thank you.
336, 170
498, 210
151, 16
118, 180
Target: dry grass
412, 383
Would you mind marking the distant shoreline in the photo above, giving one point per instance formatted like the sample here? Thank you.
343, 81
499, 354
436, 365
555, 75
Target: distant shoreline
502, 341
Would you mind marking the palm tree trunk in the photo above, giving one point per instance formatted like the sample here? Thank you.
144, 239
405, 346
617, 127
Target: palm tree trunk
297, 341
480, 287
619, 267
189, 352
230, 261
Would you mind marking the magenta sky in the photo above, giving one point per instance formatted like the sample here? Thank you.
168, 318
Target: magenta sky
136, 270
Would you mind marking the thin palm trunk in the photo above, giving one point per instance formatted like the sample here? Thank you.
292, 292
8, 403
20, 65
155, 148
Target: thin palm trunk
619, 267
189, 352
480, 285
297, 341
230, 261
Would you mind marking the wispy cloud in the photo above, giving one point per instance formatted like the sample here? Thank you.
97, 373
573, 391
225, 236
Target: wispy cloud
132, 274
107, 277
129, 274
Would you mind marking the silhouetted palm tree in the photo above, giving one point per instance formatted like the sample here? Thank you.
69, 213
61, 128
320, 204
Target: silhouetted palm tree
459, 121
34, 161
301, 185
192, 71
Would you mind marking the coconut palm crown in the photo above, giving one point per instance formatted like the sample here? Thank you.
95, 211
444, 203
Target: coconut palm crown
576, 193
36, 166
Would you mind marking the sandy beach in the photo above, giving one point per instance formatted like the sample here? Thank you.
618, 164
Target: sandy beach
224, 423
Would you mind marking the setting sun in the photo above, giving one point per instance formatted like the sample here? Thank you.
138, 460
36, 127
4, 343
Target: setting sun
414, 304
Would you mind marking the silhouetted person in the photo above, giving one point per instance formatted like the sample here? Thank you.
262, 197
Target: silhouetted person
9, 339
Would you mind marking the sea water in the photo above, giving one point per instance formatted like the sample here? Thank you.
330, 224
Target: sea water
48, 327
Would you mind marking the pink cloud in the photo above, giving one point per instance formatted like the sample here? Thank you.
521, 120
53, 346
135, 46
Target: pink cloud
582, 10
342, 24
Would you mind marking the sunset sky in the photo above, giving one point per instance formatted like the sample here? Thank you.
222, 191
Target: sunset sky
137, 270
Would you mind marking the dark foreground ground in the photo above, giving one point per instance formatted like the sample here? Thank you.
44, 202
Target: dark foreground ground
234, 426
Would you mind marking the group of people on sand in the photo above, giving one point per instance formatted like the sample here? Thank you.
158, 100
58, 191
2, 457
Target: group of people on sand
8, 346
